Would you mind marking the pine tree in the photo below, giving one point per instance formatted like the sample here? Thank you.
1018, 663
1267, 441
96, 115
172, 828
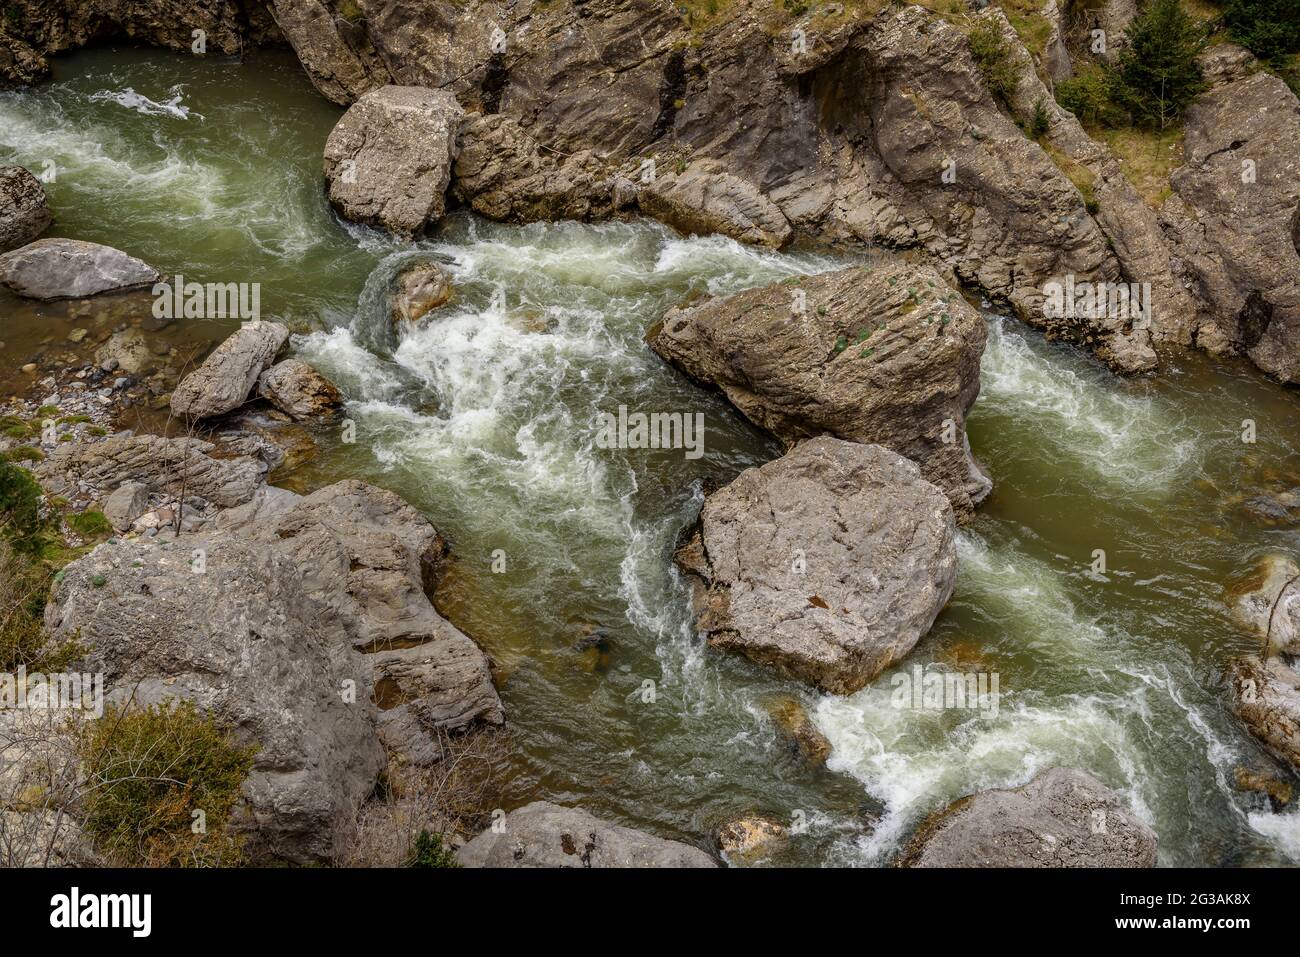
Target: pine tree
1158, 75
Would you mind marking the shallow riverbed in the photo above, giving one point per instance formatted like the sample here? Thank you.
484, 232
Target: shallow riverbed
485, 420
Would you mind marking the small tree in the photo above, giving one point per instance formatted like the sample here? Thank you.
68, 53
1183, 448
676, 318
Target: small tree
1157, 73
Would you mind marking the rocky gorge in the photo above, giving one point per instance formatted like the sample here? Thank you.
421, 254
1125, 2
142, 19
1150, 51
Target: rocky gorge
827, 538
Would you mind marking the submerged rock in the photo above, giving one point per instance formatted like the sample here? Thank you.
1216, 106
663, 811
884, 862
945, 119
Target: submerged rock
797, 729
388, 160
419, 289
1062, 818
1267, 698
227, 377
24, 212
71, 269
542, 834
827, 565
1278, 792
889, 355
746, 839
299, 391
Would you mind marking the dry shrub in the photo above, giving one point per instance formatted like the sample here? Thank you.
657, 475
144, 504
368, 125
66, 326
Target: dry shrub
454, 797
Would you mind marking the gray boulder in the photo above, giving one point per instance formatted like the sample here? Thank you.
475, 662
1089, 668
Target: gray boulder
1062, 818
827, 565
24, 213
299, 391
887, 354
228, 624
72, 269
1266, 697
542, 834
125, 504
388, 160
227, 377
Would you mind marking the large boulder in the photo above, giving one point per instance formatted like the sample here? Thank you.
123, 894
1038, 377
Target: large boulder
375, 561
1062, 818
1266, 696
388, 160
24, 212
227, 377
228, 624
827, 565
1233, 220
72, 269
542, 834
299, 391
887, 354
704, 198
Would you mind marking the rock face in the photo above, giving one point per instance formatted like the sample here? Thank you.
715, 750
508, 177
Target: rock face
888, 355
1131, 226
704, 198
388, 160
24, 213
227, 377
161, 464
299, 391
826, 565
502, 173
418, 290
245, 641
1233, 220
1062, 818
1267, 699
71, 269
546, 835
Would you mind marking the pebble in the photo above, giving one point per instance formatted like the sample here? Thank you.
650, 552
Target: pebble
29, 368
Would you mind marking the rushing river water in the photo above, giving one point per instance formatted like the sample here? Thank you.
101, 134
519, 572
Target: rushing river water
484, 419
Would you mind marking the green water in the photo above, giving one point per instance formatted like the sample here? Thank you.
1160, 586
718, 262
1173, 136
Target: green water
484, 419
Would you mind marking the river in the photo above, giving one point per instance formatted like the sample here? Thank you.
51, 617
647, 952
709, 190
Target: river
484, 419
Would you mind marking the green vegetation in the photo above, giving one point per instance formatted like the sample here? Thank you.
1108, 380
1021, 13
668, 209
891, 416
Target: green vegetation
1089, 96
1157, 72
429, 852
1270, 29
1040, 122
164, 781
21, 521
90, 524
993, 57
